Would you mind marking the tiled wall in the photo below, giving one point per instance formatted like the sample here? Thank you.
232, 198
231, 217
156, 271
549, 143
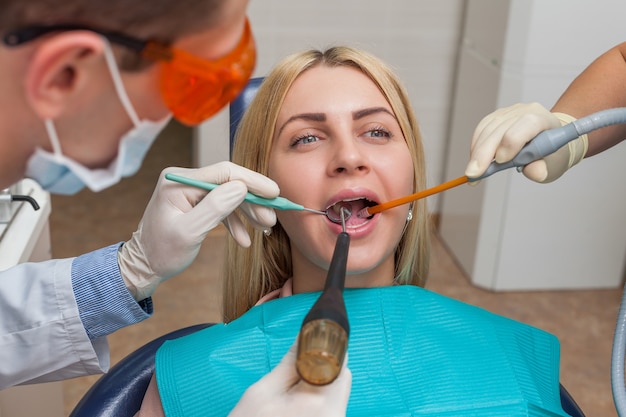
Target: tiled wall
419, 38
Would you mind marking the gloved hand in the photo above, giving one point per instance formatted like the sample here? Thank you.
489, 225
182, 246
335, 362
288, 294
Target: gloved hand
282, 393
178, 217
503, 133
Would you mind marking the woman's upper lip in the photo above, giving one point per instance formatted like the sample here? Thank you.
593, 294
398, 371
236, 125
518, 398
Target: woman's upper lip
352, 193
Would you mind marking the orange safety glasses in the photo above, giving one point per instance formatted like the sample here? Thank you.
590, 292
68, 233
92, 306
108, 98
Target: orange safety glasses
193, 88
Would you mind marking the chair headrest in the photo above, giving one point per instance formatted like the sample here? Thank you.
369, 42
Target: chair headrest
239, 105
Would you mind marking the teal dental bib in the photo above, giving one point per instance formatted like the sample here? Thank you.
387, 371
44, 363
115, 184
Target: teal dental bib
411, 353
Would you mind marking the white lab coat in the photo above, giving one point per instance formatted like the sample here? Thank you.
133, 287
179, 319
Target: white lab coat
42, 337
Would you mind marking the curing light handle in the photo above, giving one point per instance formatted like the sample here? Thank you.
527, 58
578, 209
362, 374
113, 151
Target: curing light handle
323, 339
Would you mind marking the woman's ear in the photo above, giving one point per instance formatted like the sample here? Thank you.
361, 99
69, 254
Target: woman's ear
62, 71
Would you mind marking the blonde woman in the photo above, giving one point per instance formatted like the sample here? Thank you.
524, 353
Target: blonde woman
261, 139
335, 129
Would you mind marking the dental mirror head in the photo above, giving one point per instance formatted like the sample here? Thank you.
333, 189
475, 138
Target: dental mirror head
339, 212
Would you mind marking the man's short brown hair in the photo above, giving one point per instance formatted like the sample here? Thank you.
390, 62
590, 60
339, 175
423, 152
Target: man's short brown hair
160, 20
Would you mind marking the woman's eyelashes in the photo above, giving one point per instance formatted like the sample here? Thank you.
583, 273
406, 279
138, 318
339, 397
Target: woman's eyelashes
304, 139
377, 132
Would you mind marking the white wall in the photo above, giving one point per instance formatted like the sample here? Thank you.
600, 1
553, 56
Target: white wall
508, 232
419, 38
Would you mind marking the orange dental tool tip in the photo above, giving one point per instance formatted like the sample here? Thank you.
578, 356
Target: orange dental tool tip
369, 211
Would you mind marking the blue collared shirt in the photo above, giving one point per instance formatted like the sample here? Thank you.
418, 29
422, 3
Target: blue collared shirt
104, 303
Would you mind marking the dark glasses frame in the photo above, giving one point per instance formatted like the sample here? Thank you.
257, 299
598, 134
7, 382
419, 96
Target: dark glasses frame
148, 49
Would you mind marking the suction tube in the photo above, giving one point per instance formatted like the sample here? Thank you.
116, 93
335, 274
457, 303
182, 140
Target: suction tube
600, 119
617, 359
585, 125
551, 140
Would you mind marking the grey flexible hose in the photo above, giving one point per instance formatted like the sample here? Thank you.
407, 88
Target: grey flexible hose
586, 125
544, 144
551, 140
600, 119
617, 359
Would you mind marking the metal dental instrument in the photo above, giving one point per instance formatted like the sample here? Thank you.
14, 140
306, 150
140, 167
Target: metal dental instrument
323, 339
542, 145
278, 203
344, 214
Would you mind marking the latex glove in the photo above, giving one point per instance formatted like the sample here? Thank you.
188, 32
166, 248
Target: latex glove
502, 134
178, 217
282, 393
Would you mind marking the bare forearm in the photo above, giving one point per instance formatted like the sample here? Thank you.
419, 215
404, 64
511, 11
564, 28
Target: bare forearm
602, 85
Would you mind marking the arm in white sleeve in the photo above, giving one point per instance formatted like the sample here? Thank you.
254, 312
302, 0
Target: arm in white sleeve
42, 335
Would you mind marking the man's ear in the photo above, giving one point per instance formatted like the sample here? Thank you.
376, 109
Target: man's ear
62, 69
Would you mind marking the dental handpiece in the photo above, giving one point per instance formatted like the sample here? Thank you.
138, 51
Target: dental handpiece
542, 145
323, 339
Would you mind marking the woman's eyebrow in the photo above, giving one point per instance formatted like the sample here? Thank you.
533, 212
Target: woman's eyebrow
321, 117
372, 110
314, 117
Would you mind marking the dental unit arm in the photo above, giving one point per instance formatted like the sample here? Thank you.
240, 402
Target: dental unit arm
323, 339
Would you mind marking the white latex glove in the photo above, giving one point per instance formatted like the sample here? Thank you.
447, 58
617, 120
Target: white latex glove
178, 217
282, 393
502, 134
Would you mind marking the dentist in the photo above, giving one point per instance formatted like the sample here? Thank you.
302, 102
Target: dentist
86, 87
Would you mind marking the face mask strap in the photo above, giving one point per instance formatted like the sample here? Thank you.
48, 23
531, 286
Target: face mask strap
117, 82
54, 138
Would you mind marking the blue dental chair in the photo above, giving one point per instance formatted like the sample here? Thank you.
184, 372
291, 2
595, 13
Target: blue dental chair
238, 107
119, 393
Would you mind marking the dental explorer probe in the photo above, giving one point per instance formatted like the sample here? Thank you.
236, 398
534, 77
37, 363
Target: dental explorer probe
278, 203
323, 339
542, 145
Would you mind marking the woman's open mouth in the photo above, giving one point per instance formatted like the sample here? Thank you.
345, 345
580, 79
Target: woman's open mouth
350, 208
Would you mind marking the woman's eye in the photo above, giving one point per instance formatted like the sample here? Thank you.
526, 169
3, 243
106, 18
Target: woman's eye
305, 139
378, 133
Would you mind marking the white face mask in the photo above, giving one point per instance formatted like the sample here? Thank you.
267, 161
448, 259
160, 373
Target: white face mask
59, 174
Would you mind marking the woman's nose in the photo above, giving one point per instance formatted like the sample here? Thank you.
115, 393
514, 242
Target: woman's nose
349, 157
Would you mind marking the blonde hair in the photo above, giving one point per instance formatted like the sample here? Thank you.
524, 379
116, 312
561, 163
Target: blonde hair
266, 265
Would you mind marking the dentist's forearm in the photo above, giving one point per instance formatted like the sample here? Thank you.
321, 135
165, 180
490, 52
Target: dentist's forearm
602, 85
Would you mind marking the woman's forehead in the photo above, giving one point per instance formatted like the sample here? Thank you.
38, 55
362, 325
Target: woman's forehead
327, 89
